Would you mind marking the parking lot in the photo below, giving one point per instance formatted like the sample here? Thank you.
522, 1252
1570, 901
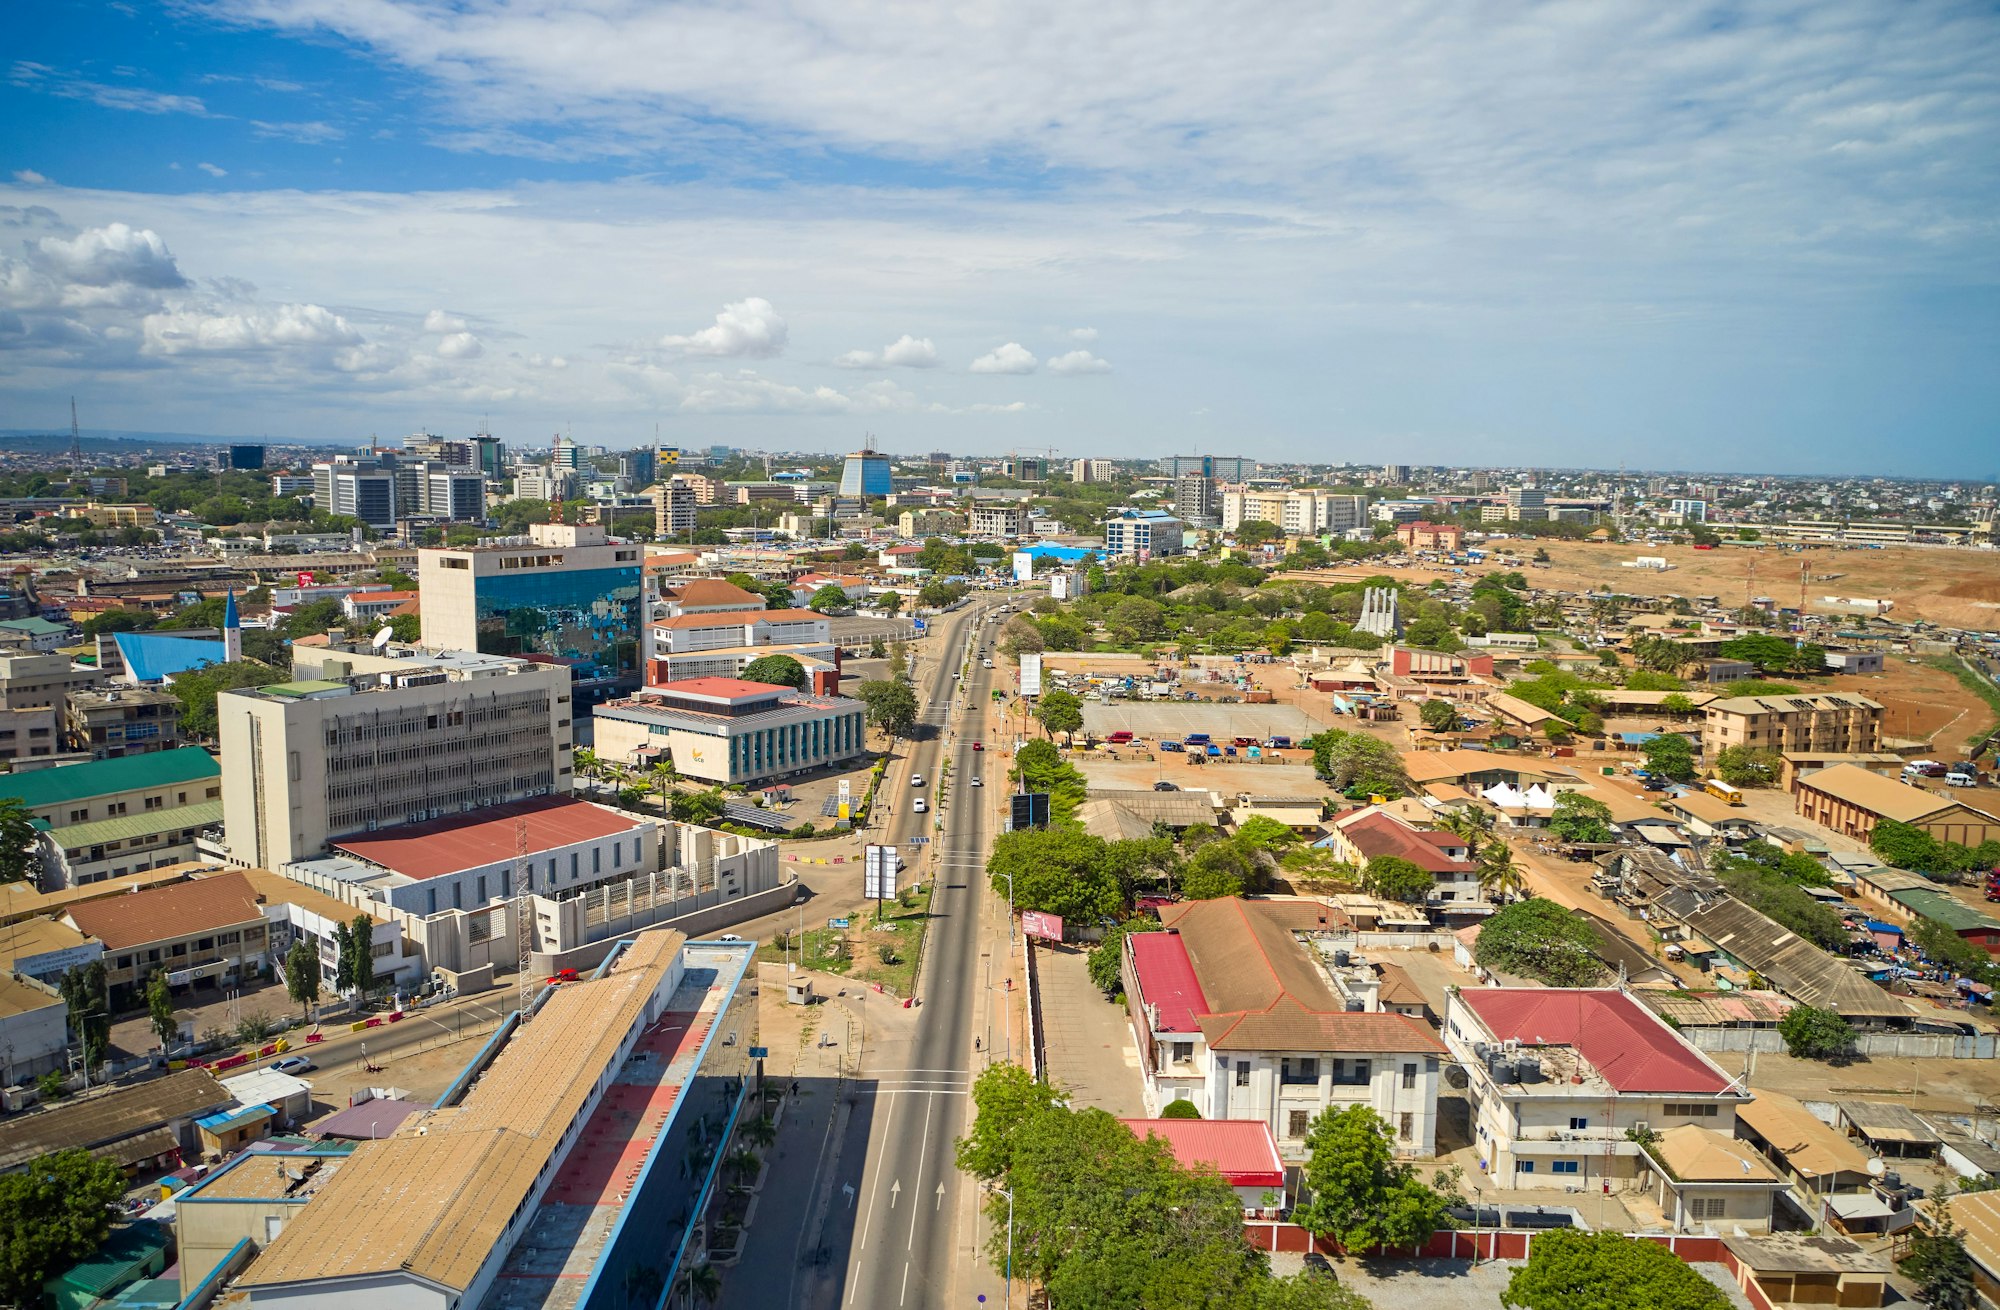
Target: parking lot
1153, 720
1105, 772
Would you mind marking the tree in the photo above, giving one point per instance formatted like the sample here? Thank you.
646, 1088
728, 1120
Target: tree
1040, 767
892, 706
697, 807
1004, 1097
778, 671
20, 841
1255, 532
890, 603
1217, 870
1568, 1269
1021, 636
1397, 879
1060, 711
1746, 766
1261, 834
1439, 715
1580, 818
1938, 1265
196, 689
85, 992
1180, 1110
1676, 703
1499, 877
362, 935
302, 975
343, 959
1811, 1033
160, 1009
1778, 898
1059, 870
1539, 939
1770, 653
1362, 1197
53, 1213
1671, 756
1106, 959
1904, 845
829, 599
1358, 763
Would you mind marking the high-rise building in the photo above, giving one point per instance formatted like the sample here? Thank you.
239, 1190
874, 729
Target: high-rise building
565, 591
489, 456
452, 493
1216, 468
1143, 534
1023, 468
1091, 470
1296, 513
567, 454
866, 474
357, 487
539, 482
674, 504
1396, 474
1690, 511
1527, 504
246, 457
639, 467
1195, 500
365, 740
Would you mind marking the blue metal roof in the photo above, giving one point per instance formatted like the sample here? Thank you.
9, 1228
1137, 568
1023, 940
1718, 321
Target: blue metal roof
155, 659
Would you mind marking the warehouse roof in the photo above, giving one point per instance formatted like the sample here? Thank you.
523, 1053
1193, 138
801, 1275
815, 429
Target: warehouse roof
1810, 1146
107, 1118
487, 836
40, 788
1884, 797
148, 823
184, 909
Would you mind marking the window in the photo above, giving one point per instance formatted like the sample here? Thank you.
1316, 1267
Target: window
1564, 1166
1708, 1207
1297, 1122
1180, 1052
1242, 1073
1691, 1110
79, 816
1406, 1125
1576, 1123
1524, 1166
1409, 1077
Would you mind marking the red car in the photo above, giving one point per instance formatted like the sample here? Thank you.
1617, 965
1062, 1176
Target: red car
979, 745
563, 976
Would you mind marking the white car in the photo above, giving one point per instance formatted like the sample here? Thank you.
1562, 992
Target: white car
916, 780
922, 805
977, 781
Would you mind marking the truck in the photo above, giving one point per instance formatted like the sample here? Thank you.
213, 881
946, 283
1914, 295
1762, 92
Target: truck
1197, 739
1279, 743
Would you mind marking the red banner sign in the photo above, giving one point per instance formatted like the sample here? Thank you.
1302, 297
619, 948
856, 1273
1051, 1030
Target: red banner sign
1037, 923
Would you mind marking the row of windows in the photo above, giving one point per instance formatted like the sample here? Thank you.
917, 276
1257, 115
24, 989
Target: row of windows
1555, 1166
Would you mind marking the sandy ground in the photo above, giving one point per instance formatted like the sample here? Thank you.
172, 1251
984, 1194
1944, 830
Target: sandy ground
1921, 702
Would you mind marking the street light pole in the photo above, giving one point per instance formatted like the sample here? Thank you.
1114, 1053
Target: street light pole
1009, 1194
1010, 911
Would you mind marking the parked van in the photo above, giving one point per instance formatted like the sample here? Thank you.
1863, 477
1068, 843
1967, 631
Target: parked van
1279, 743
1197, 739
1118, 738
1170, 746
1723, 791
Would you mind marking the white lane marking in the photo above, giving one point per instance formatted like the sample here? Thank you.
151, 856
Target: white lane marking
923, 1148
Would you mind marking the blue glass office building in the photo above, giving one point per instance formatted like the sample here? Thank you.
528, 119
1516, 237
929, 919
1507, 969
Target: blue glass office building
586, 618
866, 474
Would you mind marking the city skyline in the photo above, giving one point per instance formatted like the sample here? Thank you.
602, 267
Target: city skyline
1751, 243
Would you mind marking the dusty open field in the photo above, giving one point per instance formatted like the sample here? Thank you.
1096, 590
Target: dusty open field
1921, 701
1957, 588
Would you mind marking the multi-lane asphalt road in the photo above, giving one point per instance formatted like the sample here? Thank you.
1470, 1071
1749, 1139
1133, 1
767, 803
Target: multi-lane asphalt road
909, 1203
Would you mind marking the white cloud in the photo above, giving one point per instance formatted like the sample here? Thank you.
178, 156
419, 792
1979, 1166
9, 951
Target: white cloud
313, 133
28, 177
31, 76
1010, 358
986, 407
460, 345
439, 321
750, 329
1078, 362
213, 170
109, 255
1083, 334
283, 327
905, 351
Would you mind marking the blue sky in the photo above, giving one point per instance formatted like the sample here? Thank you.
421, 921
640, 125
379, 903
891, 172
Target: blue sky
1720, 236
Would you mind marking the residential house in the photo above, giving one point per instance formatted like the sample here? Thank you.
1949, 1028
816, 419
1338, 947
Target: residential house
1559, 1077
1703, 1180
1374, 831
1823, 1169
1232, 1012
1844, 722
205, 931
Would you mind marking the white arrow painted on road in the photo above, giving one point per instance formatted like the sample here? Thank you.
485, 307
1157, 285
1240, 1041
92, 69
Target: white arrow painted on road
940, 1196
895, 1190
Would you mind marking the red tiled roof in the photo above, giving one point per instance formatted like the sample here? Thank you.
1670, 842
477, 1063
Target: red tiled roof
1633, 1050
1289, 1026
467, 841
787, 616
376, 597
1166, 979
1378, 834
183, 909
707, 592
724, 688
1241, 1150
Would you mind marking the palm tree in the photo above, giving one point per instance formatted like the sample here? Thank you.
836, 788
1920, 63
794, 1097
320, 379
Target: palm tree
1499, 877
664, 776
703, 1281
587, 762
759, 1132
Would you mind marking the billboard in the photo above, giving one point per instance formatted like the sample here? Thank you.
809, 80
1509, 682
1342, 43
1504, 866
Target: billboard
1031, 673
1028, 809
878, 872
1037, 923
1024, 566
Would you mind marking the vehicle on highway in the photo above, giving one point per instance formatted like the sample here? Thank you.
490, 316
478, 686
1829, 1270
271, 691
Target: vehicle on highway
979, 745
916, 780
977, 781
922, 805
293, 1064
1164, 785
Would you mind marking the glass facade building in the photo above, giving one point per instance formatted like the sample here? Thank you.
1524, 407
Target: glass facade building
586, 618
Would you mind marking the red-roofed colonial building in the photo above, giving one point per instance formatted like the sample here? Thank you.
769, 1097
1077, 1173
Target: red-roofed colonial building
1560, 1075
1241, 1150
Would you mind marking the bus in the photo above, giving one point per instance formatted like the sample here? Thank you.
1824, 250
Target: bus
1723, 792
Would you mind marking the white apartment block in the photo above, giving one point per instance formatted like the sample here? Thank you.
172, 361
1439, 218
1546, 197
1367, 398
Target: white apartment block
362, 740
1559, 1076
997, 521
1296, 513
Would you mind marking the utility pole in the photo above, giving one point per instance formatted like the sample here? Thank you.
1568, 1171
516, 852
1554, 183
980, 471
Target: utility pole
524, 909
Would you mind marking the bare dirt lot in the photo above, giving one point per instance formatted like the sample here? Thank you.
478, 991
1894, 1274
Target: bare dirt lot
1954, 587
1128, 773
1921, 702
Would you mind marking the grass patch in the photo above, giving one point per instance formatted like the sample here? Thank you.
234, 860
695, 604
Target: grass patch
887, 952
1969, 679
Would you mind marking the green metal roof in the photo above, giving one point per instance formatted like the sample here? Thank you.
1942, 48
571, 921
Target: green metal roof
36, 626
127, 826
122, 1258
40, 788
306, 687
1941, 908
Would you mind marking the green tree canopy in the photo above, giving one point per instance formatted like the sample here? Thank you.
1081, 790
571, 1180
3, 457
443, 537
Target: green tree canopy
1106, 959
1004, 1097
1356, 763
20, 858
1540, 939
1361, 1196
1572, 1270
1746, 766
1060, 870
196, 690
1397, 879
1217, 870
53, 1213
1811, 1033
1040, 767
1439, 715
829, 599
1671, 756
892, 705
1060, 711
1580, 818
160, 1009
778, 670
302, 974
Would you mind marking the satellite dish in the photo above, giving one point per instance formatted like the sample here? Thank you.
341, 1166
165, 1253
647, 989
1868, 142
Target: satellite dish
1875, 1166
382, 637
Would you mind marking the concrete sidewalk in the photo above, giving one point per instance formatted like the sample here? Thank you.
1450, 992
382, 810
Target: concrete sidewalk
1089, 1040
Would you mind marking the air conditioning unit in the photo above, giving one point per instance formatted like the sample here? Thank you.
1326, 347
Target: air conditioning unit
1642, 1127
